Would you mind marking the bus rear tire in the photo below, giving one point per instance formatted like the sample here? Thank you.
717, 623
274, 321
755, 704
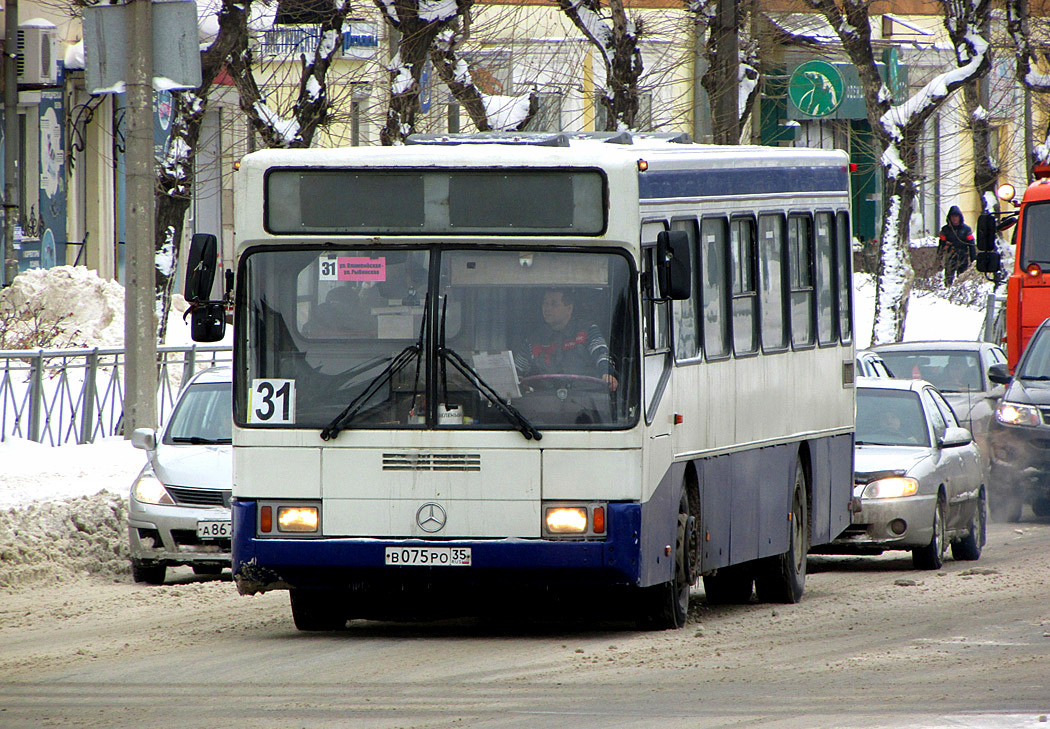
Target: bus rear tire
665, 606
317, 609
783, 578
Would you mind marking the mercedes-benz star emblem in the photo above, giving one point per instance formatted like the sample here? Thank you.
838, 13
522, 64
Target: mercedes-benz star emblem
431, 517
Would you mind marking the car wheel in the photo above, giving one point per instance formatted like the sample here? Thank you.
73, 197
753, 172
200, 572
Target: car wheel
729, 585
783, 578
207, 569
665, 606
969, 547
317, 609
1041, 506
931, 557
151, 574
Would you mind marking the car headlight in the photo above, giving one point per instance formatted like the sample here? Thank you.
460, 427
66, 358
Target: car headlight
1014, 413
149, 490
891, 488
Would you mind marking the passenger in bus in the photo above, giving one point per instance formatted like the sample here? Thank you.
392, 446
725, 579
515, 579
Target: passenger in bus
957, 248
565, 344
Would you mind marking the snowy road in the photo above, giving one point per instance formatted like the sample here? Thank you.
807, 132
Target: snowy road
873, 644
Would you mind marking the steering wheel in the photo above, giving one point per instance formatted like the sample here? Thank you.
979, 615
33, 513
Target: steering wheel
553, 382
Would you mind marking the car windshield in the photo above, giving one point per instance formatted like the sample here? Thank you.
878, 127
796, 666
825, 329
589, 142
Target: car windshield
392, 338
1035, 363
204, 415
890, 417
948, 371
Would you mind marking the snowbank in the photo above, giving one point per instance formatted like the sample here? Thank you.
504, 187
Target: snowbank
92, 306
57, 540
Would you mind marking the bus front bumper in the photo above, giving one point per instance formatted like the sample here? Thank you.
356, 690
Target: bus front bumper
360, 564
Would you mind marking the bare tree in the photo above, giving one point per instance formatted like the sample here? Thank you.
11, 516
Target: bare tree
1019, 28
174, 190
312, 105
615, 35
898, 129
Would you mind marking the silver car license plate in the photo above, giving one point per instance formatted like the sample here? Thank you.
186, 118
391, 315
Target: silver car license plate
214, 529
429, 556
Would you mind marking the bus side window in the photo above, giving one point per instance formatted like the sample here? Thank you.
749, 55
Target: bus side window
824, 284
745, 293
844, 266
771, 281
800, 262
686, 316
714, 239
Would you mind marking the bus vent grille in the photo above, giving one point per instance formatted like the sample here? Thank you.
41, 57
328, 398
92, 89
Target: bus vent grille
431, 461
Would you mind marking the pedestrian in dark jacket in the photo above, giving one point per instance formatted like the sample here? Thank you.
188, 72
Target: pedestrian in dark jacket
957, 248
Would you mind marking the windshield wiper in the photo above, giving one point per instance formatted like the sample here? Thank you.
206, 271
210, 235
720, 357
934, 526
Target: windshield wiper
506, 409
197, 440
395, 365
1033, 377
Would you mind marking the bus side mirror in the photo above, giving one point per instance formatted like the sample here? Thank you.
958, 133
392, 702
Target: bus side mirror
673, 268
200, 269
208, 321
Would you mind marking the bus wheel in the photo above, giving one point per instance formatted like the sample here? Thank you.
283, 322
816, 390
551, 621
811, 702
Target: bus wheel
783, 578
665, 606
317, 609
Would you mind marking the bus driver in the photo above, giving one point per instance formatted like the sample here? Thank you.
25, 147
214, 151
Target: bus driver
564, 345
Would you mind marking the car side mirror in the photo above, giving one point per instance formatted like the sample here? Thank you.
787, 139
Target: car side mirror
673, 264
999, 373
144, 438
955, 437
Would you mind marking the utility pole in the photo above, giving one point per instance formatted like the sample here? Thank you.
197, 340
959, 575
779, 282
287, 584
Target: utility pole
8, 260
140, 327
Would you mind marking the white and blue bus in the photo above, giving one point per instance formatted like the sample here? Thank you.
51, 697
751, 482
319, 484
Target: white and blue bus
408, 428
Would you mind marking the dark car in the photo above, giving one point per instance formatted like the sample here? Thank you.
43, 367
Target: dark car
1019, 436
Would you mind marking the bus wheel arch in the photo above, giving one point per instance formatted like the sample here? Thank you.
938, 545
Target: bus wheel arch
694, 531
666, 605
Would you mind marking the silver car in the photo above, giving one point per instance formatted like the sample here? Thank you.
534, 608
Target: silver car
180, 503
917, 477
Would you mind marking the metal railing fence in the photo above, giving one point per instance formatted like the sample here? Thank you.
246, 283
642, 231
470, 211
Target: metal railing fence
62, 396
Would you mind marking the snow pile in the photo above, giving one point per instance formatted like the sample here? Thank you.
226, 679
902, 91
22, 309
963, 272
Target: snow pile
90, 308
54, 540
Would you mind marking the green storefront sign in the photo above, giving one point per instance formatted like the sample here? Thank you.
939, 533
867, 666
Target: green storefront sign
822, 90
816, 88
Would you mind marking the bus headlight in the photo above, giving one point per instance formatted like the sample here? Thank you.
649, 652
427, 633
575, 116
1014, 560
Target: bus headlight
574, 520
297, 519
567, 520
891, 488
1014, 413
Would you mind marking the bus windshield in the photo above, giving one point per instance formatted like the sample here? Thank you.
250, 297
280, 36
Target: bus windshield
421, 338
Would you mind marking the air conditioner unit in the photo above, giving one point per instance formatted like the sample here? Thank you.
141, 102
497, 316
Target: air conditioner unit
37, 64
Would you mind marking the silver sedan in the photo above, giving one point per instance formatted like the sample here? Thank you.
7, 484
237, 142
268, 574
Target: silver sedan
918, 482
179, 510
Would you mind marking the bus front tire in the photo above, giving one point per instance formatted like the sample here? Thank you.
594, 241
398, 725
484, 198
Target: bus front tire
783, 578
665, 606
317, 610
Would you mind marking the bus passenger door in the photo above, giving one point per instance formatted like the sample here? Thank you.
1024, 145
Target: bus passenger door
656, 374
